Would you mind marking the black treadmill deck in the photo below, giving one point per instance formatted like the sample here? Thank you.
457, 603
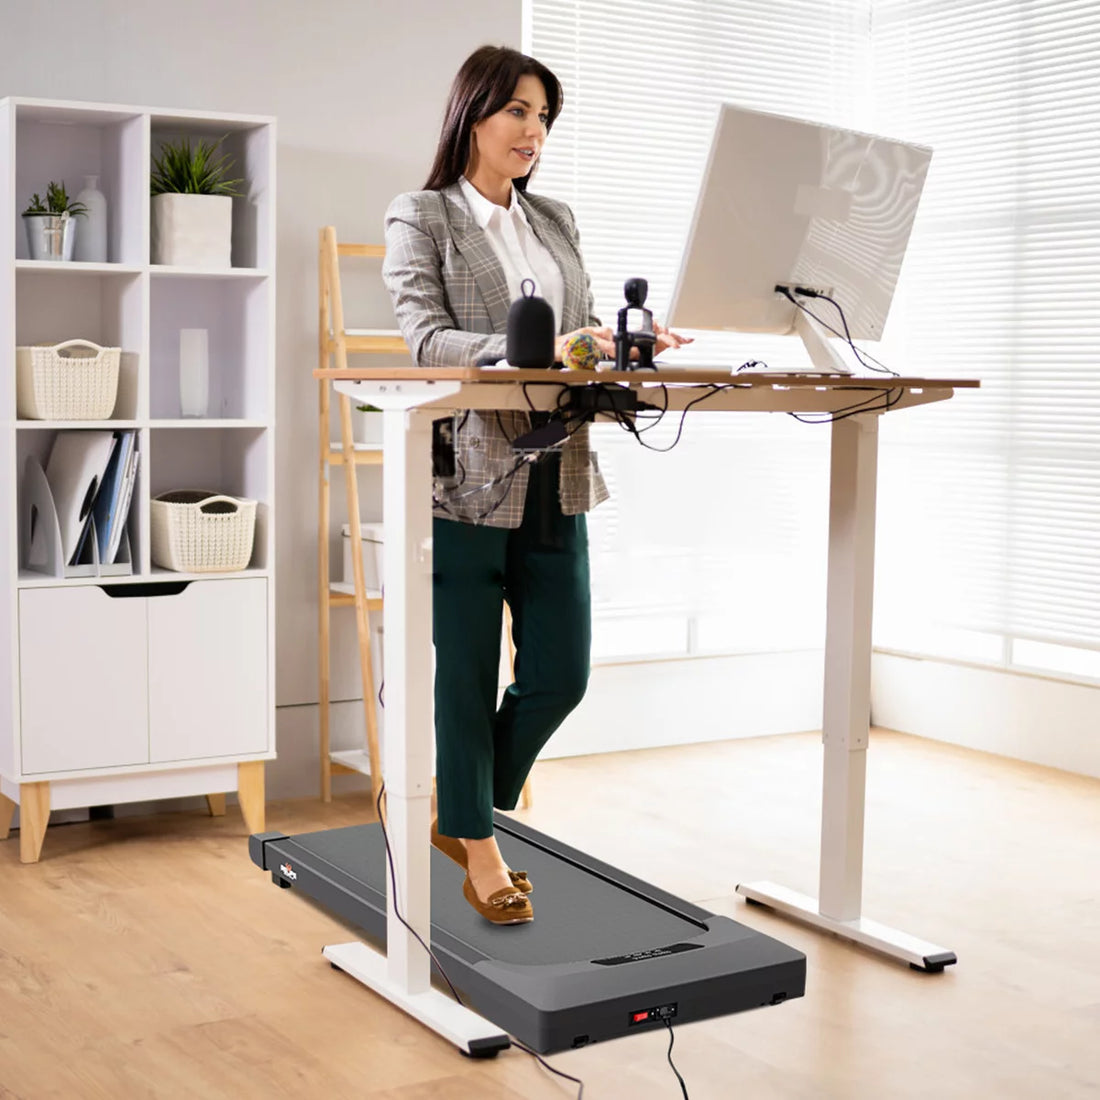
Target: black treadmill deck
606, 955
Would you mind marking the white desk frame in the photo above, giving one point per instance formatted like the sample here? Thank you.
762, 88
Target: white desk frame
410, 400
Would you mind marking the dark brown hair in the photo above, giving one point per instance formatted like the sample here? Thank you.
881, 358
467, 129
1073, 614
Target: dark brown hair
483, 86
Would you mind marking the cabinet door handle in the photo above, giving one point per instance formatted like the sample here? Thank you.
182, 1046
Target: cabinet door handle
152, 588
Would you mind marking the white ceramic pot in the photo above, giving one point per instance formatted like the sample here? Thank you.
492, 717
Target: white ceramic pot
192, 230
366, 427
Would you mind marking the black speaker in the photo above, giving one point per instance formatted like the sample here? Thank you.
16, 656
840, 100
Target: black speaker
530, 330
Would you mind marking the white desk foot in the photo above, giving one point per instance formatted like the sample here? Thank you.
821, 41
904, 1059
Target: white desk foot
919, 954
471, 1033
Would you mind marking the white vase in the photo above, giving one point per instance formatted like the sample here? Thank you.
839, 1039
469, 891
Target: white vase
194, 372
192, 230
91, 230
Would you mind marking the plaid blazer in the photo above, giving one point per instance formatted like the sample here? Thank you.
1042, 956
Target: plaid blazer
451, 299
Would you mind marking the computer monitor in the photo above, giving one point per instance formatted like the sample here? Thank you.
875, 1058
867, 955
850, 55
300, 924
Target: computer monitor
789, 203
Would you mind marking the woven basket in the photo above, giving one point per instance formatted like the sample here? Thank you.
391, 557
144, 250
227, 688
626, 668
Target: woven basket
197, 531
54, 384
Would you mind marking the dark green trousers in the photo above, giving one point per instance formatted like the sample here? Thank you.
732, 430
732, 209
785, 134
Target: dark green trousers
484, 753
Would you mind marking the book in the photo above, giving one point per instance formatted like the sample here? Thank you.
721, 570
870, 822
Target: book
108, 511
122, 510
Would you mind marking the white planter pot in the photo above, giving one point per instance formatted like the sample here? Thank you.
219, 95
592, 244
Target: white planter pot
192, 230
366, 427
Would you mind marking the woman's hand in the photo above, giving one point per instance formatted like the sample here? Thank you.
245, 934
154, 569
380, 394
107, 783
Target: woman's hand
605, 341
603, 337
667, 339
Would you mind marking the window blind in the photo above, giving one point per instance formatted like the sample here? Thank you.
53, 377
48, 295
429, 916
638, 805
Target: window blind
989, 516
689, 555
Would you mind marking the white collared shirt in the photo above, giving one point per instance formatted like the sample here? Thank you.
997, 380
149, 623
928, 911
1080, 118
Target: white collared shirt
520, 252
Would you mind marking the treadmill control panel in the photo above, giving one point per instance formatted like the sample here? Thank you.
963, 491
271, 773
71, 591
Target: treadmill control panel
651, 953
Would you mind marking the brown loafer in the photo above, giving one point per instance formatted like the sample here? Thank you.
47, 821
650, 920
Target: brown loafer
505, 906
453, 848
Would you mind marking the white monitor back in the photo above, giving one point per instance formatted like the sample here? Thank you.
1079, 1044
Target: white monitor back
784, 201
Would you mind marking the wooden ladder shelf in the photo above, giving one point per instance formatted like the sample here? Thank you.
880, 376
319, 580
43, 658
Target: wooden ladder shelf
335, 344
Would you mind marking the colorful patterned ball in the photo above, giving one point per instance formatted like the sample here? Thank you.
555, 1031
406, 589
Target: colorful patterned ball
581, 353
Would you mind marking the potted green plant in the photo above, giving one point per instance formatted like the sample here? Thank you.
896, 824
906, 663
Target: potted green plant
192, 204
51, 230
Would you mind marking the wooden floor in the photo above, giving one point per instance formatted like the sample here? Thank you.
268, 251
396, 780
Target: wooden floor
149, 957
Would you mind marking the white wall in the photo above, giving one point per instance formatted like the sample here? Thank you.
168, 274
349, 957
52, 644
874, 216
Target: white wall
630, 706
682, 702
1013, 714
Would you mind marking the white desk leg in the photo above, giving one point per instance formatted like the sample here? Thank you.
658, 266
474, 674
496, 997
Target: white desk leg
847, 709
403, 974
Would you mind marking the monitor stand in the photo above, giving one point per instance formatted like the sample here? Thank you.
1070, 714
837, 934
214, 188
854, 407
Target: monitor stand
819, 343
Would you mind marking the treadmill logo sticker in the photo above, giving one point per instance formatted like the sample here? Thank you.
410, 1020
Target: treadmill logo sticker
288, 871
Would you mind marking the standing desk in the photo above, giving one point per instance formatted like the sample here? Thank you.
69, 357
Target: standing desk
410, 399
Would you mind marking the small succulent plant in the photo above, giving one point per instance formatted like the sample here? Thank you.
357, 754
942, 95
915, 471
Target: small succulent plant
57, 202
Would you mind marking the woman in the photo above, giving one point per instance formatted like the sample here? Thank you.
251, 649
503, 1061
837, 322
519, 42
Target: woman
456, 254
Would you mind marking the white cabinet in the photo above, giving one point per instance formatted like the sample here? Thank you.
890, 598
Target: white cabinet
156, 684
208, 671
83, 686
121, 674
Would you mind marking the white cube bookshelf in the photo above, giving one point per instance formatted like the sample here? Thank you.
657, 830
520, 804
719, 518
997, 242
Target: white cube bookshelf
156, 684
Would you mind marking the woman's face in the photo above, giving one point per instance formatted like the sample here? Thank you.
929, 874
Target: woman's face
509, 142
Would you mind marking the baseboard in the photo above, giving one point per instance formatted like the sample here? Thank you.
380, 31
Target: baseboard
1031, 718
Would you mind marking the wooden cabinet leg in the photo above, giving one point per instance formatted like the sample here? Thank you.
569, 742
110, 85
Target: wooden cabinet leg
7, 812
216, 804
250, 794
34, 814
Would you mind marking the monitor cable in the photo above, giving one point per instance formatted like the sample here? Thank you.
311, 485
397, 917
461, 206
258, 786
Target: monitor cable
450, 985
879, 400
865, 360
671, 1040
506, 478
627, 422
393, 882
438, 965
886, 399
